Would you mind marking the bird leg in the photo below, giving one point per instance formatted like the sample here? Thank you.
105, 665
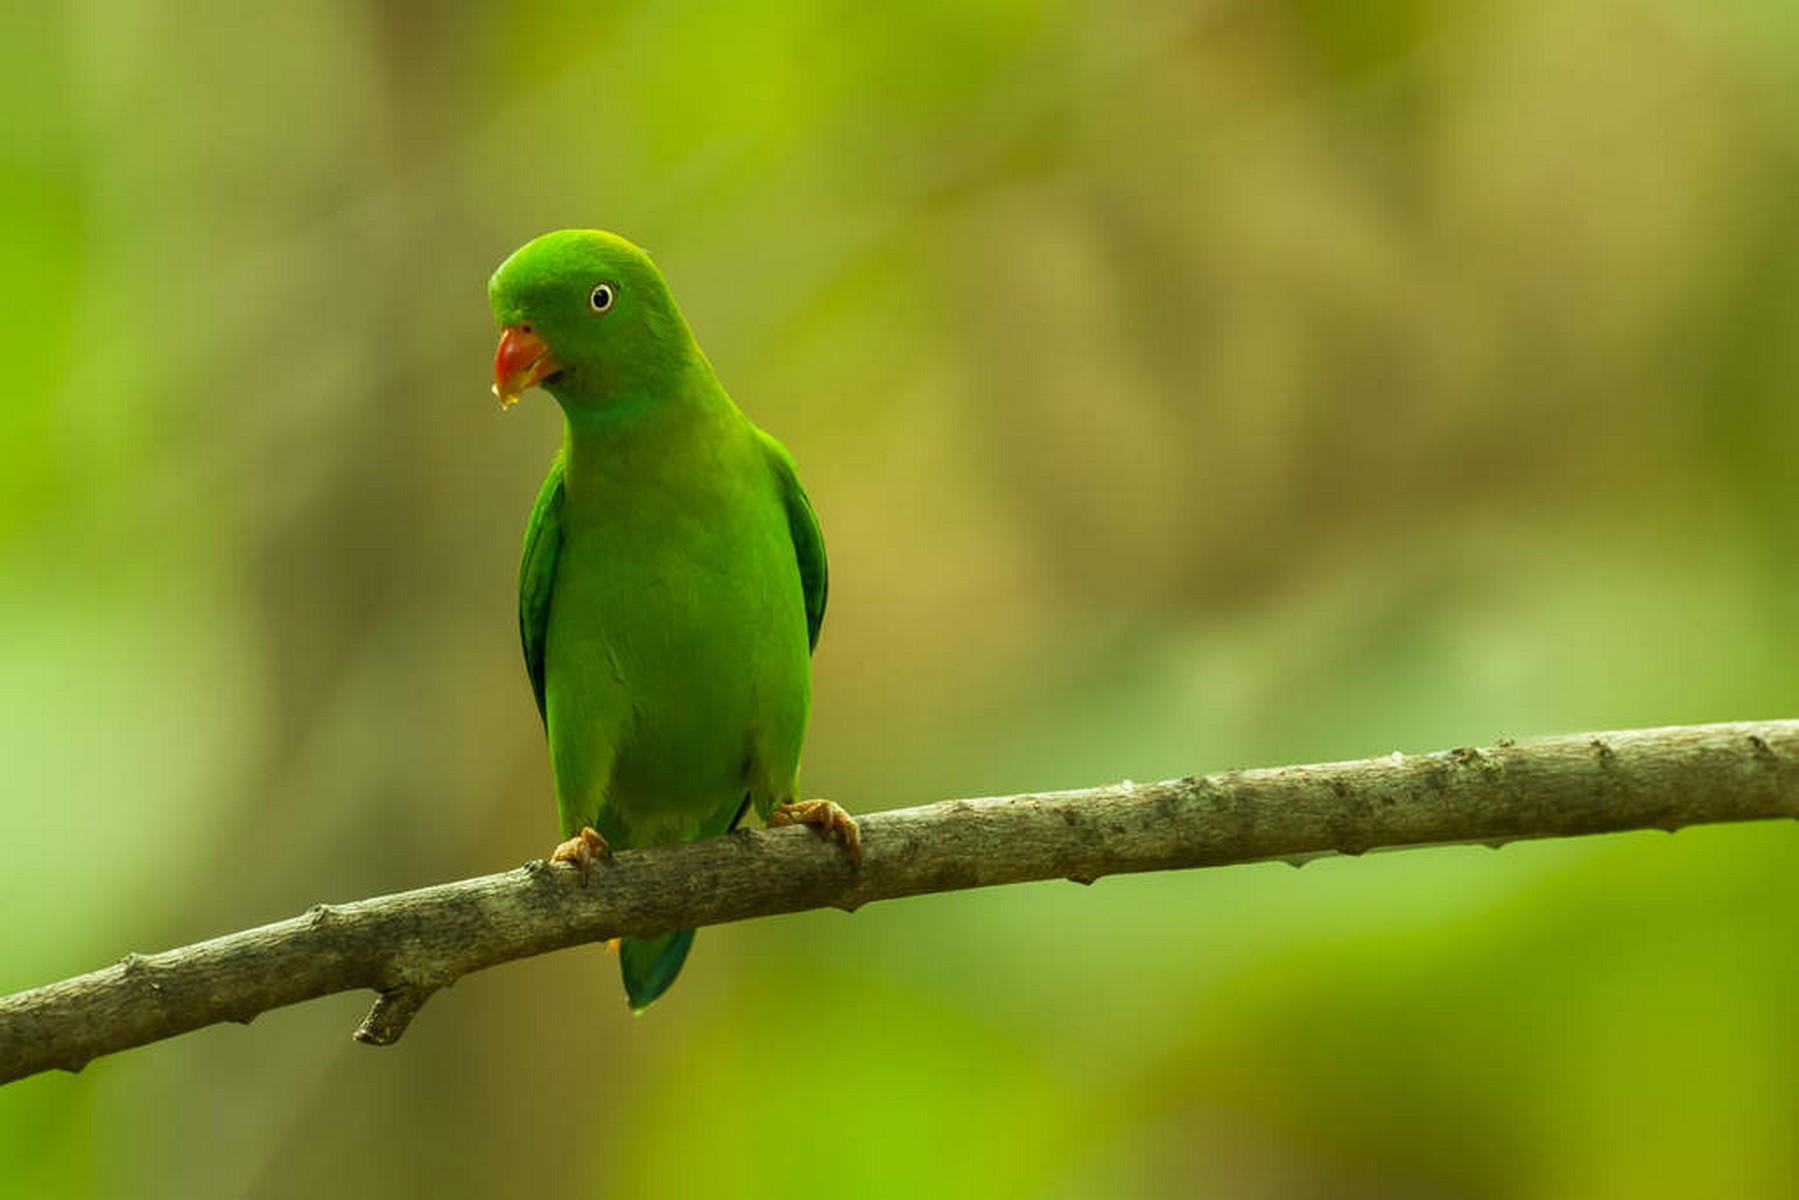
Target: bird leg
582, 849
827, 818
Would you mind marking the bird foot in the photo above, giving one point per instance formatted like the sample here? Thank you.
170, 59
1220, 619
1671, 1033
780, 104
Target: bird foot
826, 817
582, 850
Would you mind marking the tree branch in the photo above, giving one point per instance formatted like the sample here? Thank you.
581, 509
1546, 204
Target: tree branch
409, 945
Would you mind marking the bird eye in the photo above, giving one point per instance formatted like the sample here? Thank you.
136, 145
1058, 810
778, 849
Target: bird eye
601, 298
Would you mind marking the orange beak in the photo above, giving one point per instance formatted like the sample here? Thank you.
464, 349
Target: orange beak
522, 361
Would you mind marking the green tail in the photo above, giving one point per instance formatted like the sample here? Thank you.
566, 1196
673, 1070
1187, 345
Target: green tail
650, 965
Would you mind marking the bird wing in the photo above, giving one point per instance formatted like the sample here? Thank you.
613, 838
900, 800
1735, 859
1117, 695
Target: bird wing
808, 542
537, 577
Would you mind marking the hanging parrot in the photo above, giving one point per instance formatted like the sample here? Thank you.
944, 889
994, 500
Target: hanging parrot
673, 579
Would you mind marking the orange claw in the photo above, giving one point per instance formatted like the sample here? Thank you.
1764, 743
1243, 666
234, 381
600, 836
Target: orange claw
826, 817
582, 849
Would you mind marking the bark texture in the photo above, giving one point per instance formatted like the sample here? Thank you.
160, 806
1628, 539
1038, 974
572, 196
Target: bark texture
409, 945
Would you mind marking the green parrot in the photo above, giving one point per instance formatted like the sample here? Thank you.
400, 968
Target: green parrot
673, 579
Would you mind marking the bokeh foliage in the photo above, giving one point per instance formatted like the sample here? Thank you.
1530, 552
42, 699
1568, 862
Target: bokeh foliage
1180, 387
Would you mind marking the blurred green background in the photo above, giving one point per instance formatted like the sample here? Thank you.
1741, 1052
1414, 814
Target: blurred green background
1180, 386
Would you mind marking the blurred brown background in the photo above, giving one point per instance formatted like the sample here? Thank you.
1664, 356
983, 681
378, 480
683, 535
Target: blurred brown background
1180, 387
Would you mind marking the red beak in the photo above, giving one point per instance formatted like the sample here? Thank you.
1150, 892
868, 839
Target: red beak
522, 361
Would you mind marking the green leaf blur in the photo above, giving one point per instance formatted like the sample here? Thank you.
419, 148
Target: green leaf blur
1180, 387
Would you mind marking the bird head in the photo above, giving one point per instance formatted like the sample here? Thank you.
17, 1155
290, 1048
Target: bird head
587, 316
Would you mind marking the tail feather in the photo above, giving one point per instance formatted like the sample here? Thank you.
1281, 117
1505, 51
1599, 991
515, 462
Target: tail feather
650, 965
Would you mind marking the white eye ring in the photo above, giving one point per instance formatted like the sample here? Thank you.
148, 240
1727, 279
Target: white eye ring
601, 298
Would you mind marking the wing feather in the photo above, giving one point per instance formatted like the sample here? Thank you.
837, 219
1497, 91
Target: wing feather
808, 540
537, 578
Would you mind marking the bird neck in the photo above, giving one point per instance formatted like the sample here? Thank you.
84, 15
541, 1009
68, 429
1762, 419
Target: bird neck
639, 435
